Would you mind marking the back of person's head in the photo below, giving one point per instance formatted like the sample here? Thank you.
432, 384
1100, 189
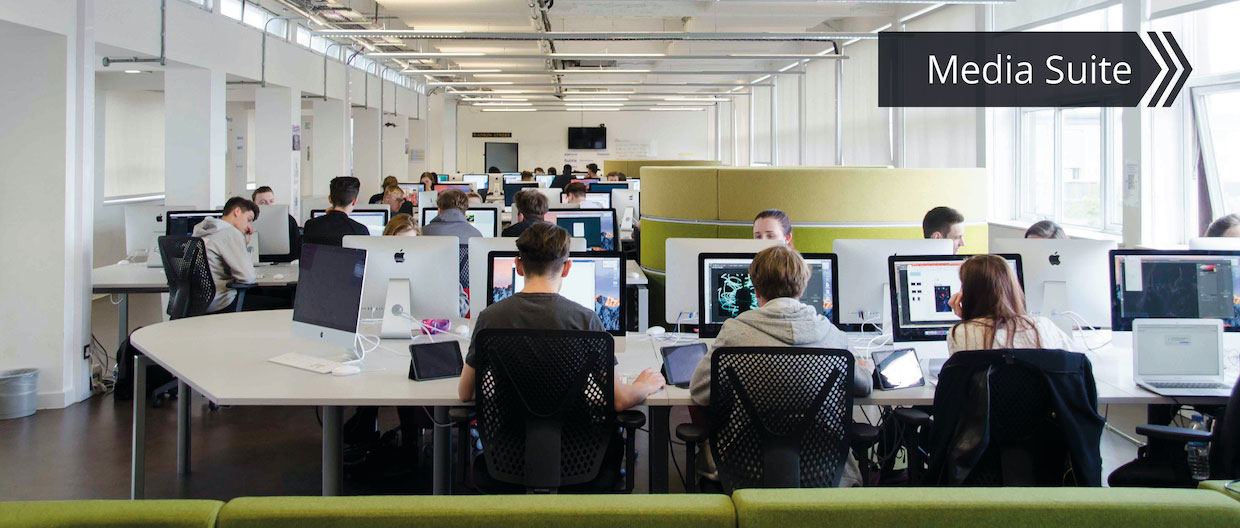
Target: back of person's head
261, 190
940, 220
493, 170
551, 171
390, 180
1045, 229
1223, 227
531, 204
620, 176
777, 272
989, 289
543, 249
527, 176
343, 190
539, 170
471, 195
785, 223
452, 199
568, 170
613, 174
593, 168
238, 202
575, 189
400, 225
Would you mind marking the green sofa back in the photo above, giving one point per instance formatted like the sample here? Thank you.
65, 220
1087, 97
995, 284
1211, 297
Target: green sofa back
161, 513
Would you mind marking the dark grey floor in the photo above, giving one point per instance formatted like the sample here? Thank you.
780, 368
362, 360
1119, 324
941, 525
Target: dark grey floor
83, 452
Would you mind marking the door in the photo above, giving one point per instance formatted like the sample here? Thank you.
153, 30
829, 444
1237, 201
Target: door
502, 156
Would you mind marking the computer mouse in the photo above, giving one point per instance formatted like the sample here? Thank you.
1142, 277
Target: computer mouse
635, 275
655, 330
278, 276
122, 262
345, 370
462, 329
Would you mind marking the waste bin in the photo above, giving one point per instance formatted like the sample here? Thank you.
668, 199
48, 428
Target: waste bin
19, 395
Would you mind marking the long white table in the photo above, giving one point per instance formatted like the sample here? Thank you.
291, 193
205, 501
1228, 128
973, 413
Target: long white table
224, 357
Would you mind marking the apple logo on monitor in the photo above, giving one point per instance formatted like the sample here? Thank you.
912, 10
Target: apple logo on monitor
399, 257
1054, 258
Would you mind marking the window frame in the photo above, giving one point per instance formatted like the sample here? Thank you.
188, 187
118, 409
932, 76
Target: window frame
1108, 199
1202, 145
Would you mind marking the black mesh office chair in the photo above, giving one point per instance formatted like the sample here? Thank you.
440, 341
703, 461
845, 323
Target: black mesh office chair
1163, 462
779, 418
546, 414
1008, 418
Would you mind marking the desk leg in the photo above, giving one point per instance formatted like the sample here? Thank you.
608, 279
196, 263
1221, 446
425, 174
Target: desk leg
185, 395
442, 480
137, 469
122, 322
333, 451
658, 450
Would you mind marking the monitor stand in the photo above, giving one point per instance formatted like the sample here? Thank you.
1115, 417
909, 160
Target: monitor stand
1055, 303
399, 293
887, 328
626, 224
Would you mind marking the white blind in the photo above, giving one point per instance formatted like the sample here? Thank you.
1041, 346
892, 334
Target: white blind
133, 153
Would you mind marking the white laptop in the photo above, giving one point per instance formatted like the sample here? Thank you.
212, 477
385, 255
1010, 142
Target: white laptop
1179, 357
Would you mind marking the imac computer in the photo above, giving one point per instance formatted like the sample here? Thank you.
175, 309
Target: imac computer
484, 219
479, 181
272, 228
923, 285
412, 189
601, 198
1065, 280
1175, 285
329, 295
863, 276
511, 177
607, 187
627, 204
375, 220
681, 294
597, 226
141, 223
544, 180
725, 290
1215, 243
182, 223
464, 187
553, 195
511, 190
479, 248
595, 281
442, 178
416, 277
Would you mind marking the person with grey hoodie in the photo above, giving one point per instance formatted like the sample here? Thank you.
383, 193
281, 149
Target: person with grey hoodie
779, 277
226, 239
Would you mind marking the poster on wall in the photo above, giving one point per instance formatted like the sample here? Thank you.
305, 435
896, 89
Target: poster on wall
630, 149
296, 187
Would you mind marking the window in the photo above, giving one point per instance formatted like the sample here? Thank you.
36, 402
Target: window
1217, 112
231, 9
303, 36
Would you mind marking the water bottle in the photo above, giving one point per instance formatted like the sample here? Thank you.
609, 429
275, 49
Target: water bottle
1198, 452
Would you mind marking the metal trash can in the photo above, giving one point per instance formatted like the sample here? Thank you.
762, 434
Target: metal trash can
19, 394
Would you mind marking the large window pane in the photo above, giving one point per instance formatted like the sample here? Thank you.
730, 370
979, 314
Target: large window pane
1221, 122
1082, 166
231, 9
1038, 166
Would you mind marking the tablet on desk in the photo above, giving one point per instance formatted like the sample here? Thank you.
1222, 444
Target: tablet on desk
437, 360
680, 361
897, 369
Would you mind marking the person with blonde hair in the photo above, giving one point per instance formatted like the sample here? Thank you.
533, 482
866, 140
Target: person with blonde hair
387, 182
402, 225
991, 308
394, 197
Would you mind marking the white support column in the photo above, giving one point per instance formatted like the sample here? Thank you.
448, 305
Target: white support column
732, 122
195, 130
330, 145
80, 198
1135, 191
774, 121
395, 159
718, 134
366, 149
276, 111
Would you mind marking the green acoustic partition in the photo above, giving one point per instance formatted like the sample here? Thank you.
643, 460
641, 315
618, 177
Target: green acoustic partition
633, 168
1221, 487
89, 513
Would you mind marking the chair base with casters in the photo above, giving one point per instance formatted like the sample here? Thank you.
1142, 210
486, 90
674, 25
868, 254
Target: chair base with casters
1163, 462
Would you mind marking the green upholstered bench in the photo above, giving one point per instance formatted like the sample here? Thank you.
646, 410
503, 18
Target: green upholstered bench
161, 513
505, 511
1007, 507
1218, 485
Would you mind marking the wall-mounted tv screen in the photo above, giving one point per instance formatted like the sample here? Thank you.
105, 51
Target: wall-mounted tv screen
593, 138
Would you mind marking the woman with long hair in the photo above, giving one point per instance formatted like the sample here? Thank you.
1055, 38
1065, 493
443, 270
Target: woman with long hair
991, 307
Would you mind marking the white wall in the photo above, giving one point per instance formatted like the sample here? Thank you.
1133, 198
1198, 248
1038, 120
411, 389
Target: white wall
543, 136
133, 159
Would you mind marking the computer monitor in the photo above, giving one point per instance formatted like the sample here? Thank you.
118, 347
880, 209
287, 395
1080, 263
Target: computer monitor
1186, 284
601, 198
420, 274
725, 290
479, 181
681, 294
479, 248
511, 177
141, 221
607, 187
511, 190
544, 180
1063, 276
412, 188
627, 204
182, 223
375, 219
272, 228
863, 275
464, 187
329, 293
587, 181
922, 287
443, 178
552, 194
1215, 243
484, 219
597, 226
595, 281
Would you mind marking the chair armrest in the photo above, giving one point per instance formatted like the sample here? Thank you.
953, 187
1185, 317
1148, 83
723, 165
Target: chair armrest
242, 285
691, 433
1175, 434
631, 419
863, 434
912, 416
460, 415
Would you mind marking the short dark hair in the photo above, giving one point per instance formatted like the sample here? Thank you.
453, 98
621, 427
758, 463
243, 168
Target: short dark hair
575, 188
592, 167
531, 204
260, 190
1219, 228
238, 202
527, 176
543, 248
551, 171
452, 199
540, 169
568, 170
782, 217
1046, 229
344, 190
940, 220
493, 170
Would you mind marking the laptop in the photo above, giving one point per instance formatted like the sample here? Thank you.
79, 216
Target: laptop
1179, 357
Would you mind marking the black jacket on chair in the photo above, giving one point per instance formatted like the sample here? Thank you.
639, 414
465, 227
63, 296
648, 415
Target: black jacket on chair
961, 431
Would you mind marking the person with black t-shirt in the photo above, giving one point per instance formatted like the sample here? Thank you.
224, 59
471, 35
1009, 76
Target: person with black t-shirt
331, 228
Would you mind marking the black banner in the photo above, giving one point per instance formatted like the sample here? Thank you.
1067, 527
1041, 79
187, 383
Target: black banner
1029, 69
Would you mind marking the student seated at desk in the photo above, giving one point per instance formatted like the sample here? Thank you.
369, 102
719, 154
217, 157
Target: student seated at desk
428, 181
538, 171
542, 258
450, 221
575, 193
773, 224
225, 239
331, 228
387, 182
1225, 226
394, 197
527, 176
592, 171
944, 222
1046, 229
562, 179
473, 198
264, 196
780, 277
531, 207
402, 225
991, 308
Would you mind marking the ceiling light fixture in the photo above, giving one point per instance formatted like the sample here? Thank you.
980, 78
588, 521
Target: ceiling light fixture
446, 72
509, 110
133, 71
593, 104
502, 103
566, 99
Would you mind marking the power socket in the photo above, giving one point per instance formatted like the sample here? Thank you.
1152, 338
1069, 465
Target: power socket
86, 352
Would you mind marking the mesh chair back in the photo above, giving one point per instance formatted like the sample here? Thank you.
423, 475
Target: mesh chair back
190, 285
544, 404
463, 256
779, 417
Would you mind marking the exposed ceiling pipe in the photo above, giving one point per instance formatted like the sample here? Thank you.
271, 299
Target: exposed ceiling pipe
163, 37
263, 67
749, 36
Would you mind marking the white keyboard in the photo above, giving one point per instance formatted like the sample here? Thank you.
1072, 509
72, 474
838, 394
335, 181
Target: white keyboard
304, 362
